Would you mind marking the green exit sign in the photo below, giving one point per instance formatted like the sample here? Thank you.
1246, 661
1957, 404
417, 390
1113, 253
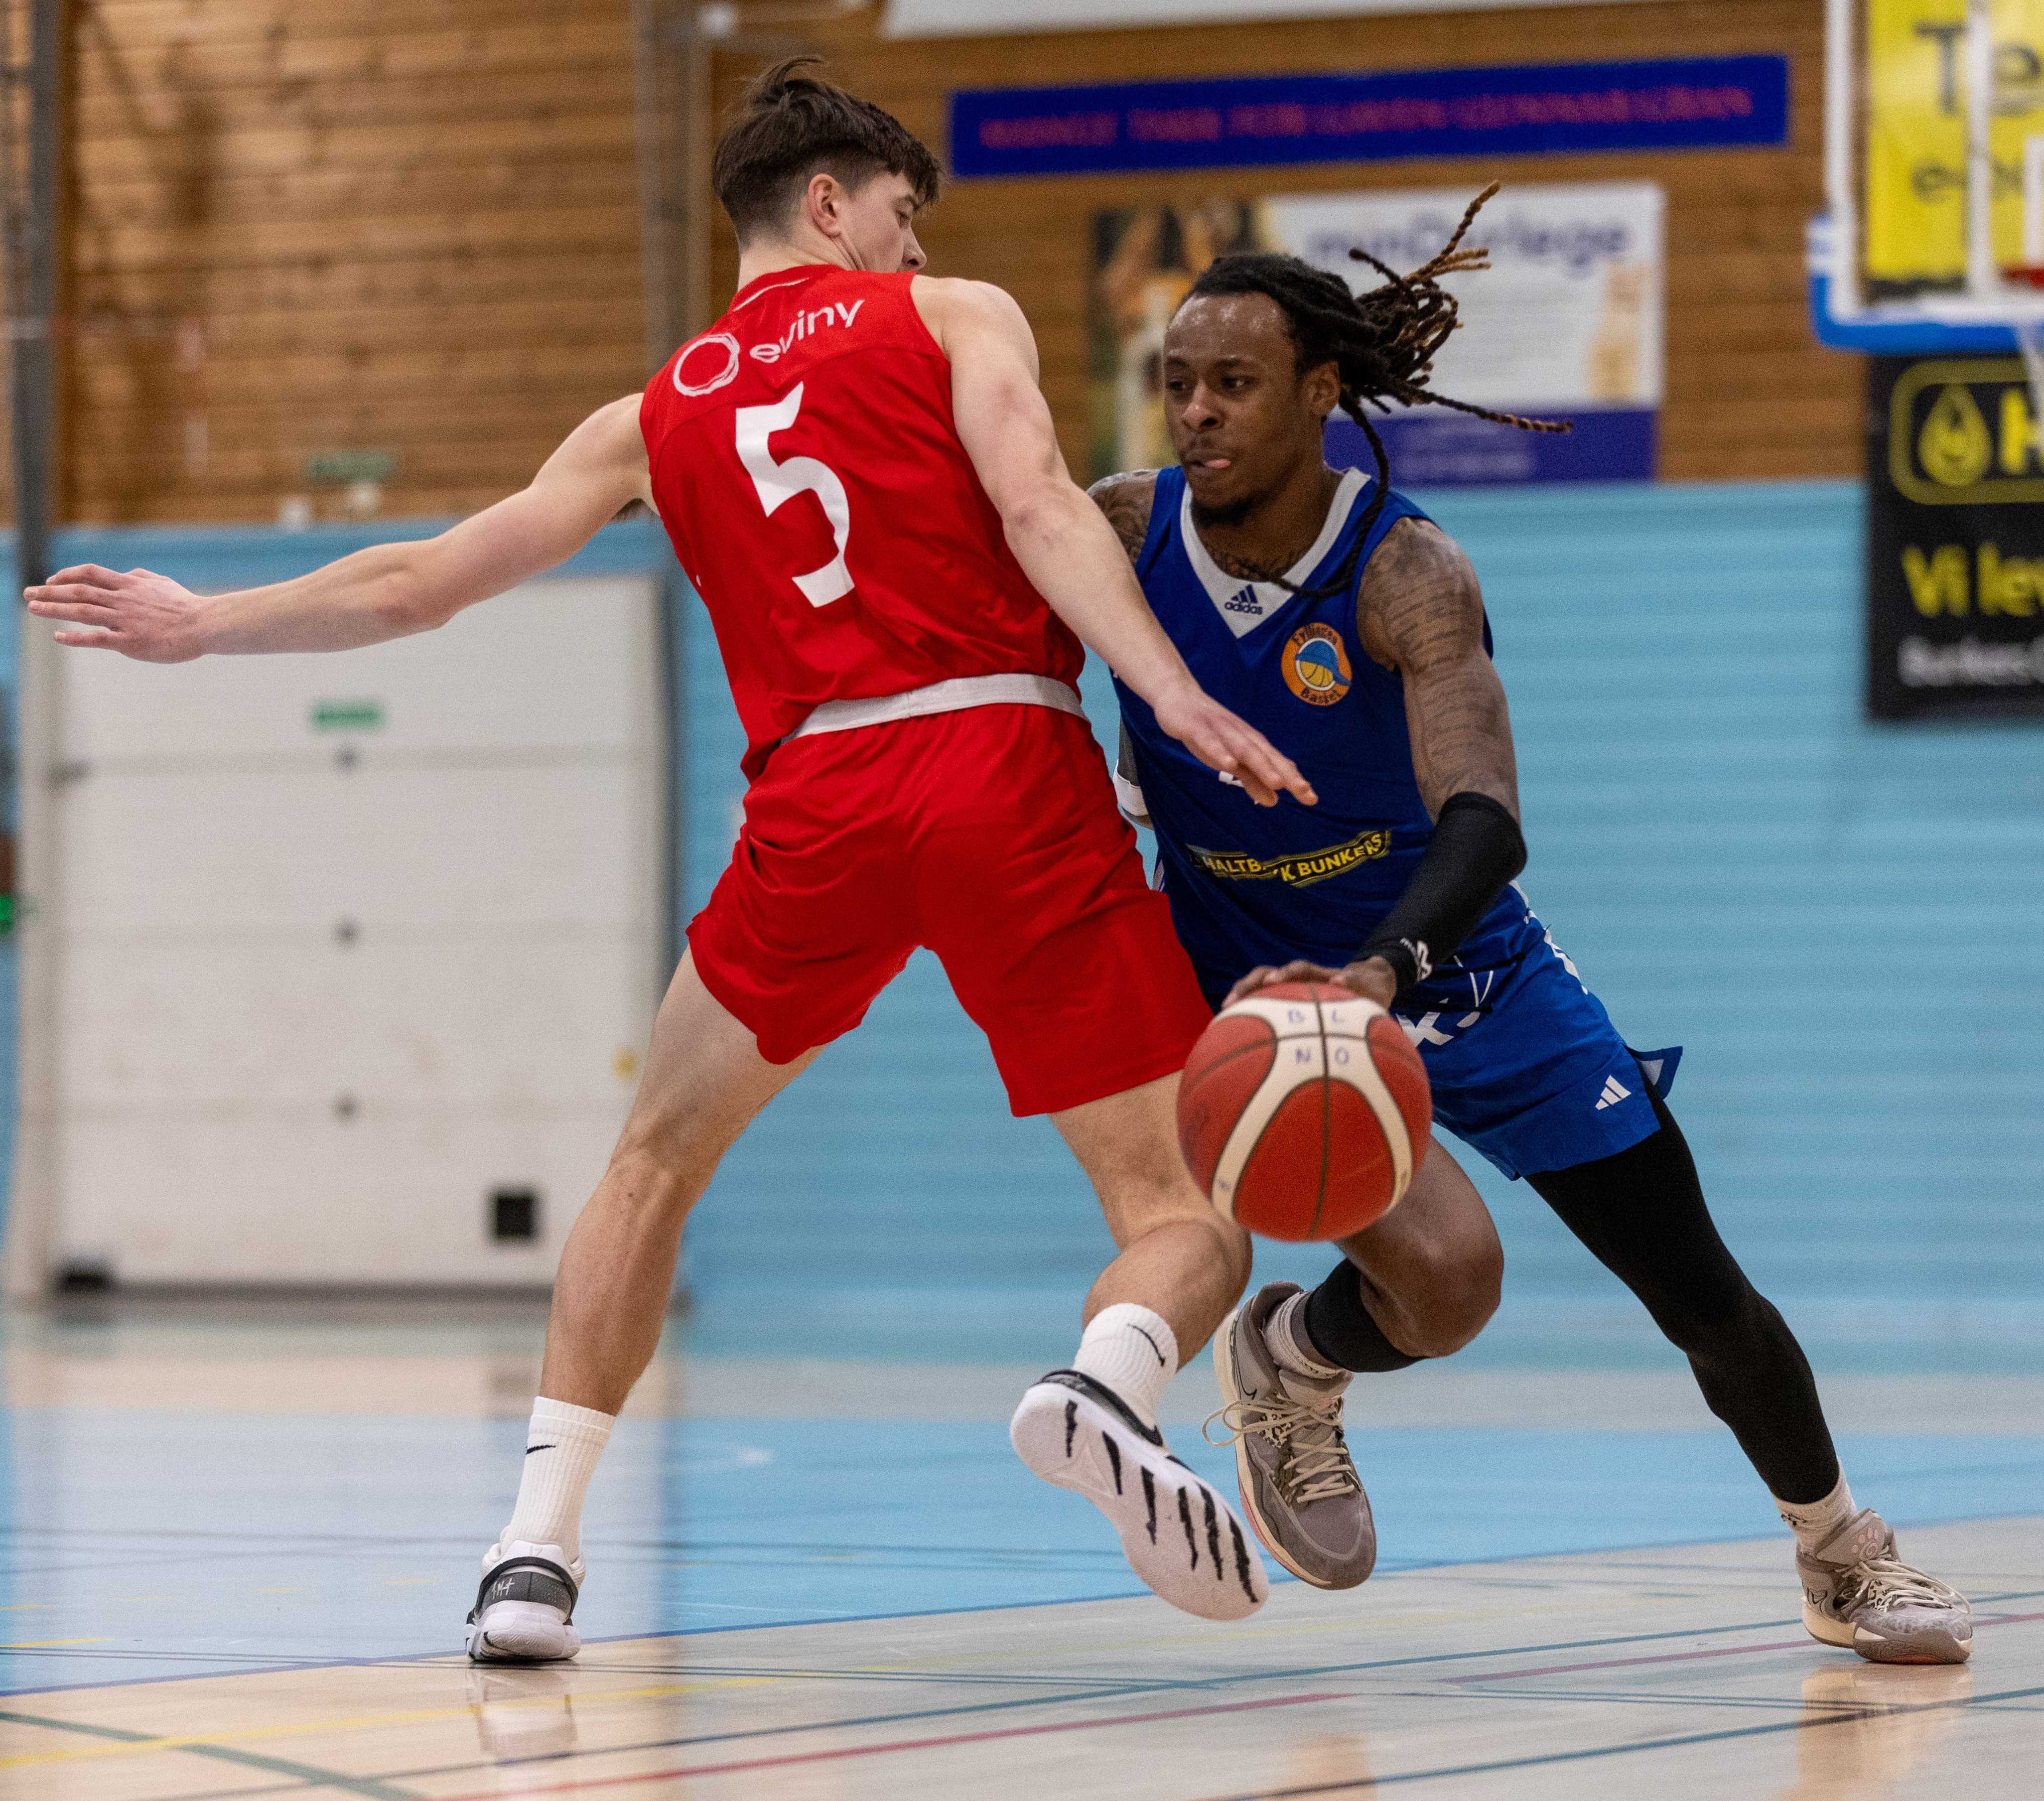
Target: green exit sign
347, 716
346, 465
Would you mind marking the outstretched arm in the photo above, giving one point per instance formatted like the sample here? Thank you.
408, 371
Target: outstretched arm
386, 591
1064, 546
1419, 611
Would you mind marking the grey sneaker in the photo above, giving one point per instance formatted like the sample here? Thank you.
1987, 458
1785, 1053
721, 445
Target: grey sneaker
1857, 1594
1299, 1485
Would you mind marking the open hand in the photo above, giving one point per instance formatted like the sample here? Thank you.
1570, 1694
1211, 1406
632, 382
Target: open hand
1222, 741
141, 614
1373, 980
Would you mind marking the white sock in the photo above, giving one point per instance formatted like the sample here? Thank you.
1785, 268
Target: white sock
1814, 1521
562, 1446
1133, 1351
1291, 1346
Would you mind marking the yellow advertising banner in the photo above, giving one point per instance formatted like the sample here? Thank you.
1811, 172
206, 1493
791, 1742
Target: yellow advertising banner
1915, 109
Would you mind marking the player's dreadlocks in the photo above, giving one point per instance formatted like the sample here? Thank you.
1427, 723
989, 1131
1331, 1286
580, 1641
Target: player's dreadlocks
1382, 344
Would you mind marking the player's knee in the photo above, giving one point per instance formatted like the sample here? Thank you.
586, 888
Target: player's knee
1229, 1252
1237, 1257
656, 1168
1713, 1319
1464, 1280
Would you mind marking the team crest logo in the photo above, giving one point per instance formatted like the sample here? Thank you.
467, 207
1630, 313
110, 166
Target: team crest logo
708, 372
1316, 666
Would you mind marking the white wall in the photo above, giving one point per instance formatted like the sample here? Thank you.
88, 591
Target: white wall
346, 943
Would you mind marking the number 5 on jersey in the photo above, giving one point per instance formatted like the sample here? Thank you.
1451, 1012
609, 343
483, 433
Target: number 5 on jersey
780, 481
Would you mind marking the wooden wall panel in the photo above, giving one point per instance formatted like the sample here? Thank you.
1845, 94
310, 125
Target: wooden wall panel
330, 224
334, 225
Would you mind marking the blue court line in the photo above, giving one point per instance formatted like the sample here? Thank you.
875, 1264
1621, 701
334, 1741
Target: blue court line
1877, 1712
1118, 1692
1121, 1691
693, 1489
275, 1667
567, 1757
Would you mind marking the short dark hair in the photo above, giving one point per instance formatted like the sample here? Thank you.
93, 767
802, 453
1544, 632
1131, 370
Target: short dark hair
790, 126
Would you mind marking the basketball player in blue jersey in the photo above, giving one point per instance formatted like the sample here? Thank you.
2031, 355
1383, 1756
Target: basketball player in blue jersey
1332, 614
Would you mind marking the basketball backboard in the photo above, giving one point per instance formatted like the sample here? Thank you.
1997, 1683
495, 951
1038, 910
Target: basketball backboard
1934, 239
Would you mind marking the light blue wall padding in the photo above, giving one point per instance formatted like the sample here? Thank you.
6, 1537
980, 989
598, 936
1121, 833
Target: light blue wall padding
1838, 919
1841, 922
213, 560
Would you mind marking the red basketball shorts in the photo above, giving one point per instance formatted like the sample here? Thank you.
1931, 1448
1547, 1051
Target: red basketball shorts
988, 836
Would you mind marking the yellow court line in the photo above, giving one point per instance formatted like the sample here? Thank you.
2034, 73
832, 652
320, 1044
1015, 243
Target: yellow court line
419, 1716
49, 1644
28, 1607
416, 1717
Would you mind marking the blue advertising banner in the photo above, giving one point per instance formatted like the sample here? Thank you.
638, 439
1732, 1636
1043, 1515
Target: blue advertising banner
1433, 449
1695, 103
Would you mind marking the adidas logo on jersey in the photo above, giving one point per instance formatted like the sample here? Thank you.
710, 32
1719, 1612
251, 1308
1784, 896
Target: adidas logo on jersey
823, 318
1614, 1091
1245, 601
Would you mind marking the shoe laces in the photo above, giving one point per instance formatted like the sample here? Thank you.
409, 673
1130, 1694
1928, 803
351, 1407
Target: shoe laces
1313, 1461
1883, 1583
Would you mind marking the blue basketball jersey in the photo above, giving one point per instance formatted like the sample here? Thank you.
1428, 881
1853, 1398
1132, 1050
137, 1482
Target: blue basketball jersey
1525, 1065
1251, 885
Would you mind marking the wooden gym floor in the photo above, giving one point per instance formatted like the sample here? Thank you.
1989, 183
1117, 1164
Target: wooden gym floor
238, 1545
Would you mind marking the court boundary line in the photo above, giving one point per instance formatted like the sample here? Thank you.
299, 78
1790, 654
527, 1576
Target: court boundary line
839, 1753
375, 1788
1126, 1690
399, 1659
1589, 1752
380, 1785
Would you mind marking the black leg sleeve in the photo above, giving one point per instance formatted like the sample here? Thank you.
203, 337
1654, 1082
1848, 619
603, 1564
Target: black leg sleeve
1342, 1329
1641, 1214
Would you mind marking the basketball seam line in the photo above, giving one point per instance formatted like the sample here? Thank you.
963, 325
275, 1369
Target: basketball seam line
1327, 1114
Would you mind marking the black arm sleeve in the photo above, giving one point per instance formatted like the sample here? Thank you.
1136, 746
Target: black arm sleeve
1476, 848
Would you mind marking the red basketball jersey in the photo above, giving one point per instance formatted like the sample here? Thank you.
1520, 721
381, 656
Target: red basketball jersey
807, 467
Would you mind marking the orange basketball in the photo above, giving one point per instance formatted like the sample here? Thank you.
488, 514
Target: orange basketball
1303, 1111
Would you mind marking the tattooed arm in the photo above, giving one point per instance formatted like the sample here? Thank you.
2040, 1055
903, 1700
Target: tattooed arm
1419, 611
1126, 500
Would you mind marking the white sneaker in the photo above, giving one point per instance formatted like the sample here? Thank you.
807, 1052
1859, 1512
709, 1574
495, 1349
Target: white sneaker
1178, 1533
524, 1610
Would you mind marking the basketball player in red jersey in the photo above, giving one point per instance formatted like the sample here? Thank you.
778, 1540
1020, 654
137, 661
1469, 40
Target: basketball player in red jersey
860, 476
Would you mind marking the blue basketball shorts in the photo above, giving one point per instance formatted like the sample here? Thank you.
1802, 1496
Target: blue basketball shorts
1531, 1071
1526, 1067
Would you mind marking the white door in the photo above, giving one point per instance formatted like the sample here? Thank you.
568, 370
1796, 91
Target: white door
357, 953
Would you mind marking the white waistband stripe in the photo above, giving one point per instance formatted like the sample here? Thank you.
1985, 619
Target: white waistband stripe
943, 697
